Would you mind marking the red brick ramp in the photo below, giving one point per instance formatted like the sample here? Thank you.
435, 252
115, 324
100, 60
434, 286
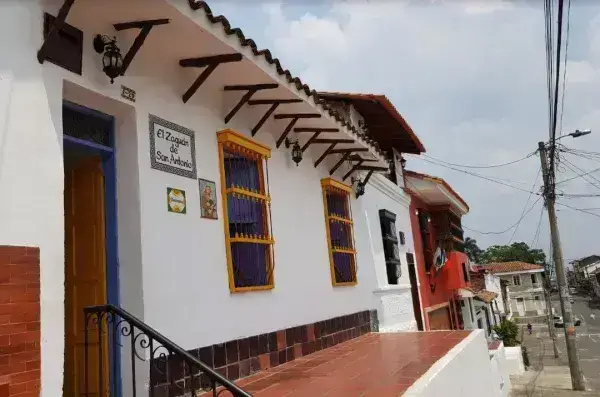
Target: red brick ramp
374, 364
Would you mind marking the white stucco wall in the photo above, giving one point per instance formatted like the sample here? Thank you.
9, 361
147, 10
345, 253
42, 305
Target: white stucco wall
465, 371
500, 374
393, 302
172, 267
514, 360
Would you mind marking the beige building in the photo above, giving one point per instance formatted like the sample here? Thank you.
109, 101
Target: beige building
524, 286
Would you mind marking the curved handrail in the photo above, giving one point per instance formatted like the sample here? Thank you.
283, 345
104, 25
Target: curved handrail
167, 343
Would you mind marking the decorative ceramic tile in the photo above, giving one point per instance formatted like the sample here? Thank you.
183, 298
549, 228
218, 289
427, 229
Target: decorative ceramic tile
208, 199
176, 200
172, 148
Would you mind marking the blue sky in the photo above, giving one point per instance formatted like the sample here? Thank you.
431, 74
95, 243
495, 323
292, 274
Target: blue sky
469, 77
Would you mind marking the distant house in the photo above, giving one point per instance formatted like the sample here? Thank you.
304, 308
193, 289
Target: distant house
585, 267
524, 286
479, 304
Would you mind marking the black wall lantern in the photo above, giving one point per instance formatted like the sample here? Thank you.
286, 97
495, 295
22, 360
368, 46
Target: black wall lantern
402, 162
112, 61
359, 187
296, 150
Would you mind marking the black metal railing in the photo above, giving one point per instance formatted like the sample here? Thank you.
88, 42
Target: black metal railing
112, 333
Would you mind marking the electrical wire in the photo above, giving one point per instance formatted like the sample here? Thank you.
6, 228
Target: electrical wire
490, 179
536, 237
556, 83
564, 82
480, 166
573, 167
510, 227
578, 176
525, 207
578, 209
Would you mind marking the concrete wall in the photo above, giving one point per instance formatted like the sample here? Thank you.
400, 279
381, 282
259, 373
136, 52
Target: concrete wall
393, 301
465, 371
500, 374
514, 360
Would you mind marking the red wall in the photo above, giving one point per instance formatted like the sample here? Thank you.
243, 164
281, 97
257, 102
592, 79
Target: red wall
443, 292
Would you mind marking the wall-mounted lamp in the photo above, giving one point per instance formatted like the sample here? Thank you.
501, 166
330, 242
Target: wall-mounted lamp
112, 61
296, 150
359, 186
402, 162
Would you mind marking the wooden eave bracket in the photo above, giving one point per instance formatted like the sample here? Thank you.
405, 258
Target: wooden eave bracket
59, 21
250, 91
145, 28
210, 63
293, 117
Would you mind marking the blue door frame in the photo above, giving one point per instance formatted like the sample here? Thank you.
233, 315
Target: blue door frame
107, 154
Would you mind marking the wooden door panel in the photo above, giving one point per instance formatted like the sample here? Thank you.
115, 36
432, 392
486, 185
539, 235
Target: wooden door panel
85, 274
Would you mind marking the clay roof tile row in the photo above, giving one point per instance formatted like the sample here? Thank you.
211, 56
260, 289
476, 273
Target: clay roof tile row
510, 267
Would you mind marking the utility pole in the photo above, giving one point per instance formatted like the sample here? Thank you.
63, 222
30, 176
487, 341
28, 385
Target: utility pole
577, 380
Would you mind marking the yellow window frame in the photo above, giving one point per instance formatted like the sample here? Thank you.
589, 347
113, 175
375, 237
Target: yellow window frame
236, 142
327, 185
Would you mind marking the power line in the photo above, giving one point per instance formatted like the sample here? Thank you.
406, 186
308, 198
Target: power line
556, 83
480, 166
564, 82
569, 165
525, 207
578, 176
509, 228
578, 209
482, 177
536, 237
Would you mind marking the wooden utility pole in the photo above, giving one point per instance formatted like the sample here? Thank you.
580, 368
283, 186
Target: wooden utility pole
577, 379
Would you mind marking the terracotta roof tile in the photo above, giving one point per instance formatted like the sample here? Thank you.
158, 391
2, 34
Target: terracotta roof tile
486, 296
300, 86
509, 267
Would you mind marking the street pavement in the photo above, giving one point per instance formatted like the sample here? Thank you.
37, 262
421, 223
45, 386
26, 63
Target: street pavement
539, 344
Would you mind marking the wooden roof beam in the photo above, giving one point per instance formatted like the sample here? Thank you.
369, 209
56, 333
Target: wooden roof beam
255, 102
246, 98
264, 118
59, 21
352, 170
210, 63
207, 61
310, 141
311, 129
350, 150
340, 162
356, 157
333, 141
372, 168
145, 28
325, 154
248, 87
297, 116
287, 130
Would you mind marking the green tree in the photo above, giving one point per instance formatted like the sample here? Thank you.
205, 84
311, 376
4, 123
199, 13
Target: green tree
472, 250
508, 332
515, 252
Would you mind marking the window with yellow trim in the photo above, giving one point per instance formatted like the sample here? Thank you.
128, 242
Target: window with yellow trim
246, 204
340, 236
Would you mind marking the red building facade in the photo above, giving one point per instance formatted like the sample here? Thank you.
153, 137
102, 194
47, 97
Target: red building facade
436, 211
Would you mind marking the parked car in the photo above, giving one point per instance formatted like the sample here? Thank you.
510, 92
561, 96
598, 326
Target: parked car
559, 323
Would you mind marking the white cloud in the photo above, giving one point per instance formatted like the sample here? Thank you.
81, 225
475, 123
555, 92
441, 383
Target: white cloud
470, 78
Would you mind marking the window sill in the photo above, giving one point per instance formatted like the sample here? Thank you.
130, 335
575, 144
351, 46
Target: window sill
391, 288
250, 289
348, 284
